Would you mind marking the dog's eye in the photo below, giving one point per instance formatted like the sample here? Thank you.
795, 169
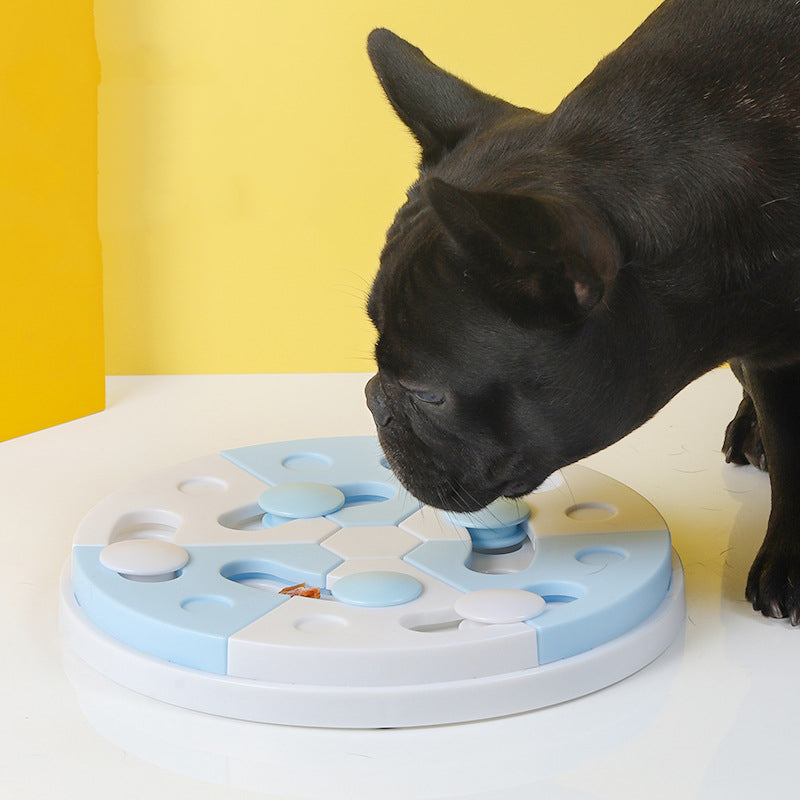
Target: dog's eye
430, 398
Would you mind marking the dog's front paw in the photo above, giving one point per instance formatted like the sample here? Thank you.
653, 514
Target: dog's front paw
743, 443
773, 586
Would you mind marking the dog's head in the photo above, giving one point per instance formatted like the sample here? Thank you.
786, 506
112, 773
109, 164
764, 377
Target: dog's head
485, 286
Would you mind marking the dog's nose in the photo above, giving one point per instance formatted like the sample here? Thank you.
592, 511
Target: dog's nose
376, 402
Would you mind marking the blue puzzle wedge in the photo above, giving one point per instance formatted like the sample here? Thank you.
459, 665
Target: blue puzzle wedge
298, 583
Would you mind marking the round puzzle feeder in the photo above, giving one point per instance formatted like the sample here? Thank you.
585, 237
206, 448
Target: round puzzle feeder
298, 583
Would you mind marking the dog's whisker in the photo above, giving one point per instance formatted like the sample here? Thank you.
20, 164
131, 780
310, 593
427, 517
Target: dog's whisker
567, 486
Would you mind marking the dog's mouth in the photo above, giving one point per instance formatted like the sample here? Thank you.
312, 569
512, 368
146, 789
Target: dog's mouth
431, 485
518, 489
452, 493
456, 497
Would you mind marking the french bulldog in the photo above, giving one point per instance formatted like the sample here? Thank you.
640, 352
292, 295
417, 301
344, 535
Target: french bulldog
554, 279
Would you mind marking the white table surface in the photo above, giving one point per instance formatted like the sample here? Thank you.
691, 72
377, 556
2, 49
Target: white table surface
714, 717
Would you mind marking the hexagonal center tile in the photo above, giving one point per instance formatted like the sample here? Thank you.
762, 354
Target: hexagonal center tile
371, 542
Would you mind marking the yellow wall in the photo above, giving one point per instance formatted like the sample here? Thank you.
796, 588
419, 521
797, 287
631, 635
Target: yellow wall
51, 327
249, 164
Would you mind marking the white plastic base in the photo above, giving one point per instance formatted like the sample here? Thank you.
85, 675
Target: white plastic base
392, 706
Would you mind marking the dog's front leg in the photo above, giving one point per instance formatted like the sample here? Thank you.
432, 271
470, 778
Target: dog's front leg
773, 585
743, 443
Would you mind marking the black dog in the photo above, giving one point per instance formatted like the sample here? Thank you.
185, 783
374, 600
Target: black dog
553, 280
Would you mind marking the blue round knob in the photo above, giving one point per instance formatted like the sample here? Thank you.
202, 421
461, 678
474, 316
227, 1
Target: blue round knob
301, 500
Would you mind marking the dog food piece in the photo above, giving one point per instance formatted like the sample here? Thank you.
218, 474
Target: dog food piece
301, 500
499, 606
301, 590
144, 559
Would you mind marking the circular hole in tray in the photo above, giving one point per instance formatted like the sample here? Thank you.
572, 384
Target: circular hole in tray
146, 524
591, 512
558, 599
502, 562
366, 492
160, 578
320, 623
600, 556
204, 603
558, 592
431, 621
253, 572
306, 461
202, 485
245, 518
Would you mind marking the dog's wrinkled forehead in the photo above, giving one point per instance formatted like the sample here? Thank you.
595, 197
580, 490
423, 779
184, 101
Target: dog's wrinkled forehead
422, 302
410, 248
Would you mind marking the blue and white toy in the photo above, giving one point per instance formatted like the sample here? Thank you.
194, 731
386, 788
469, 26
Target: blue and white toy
177, 588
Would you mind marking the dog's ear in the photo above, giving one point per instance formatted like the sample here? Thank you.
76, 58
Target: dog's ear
535, 251
438, 108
